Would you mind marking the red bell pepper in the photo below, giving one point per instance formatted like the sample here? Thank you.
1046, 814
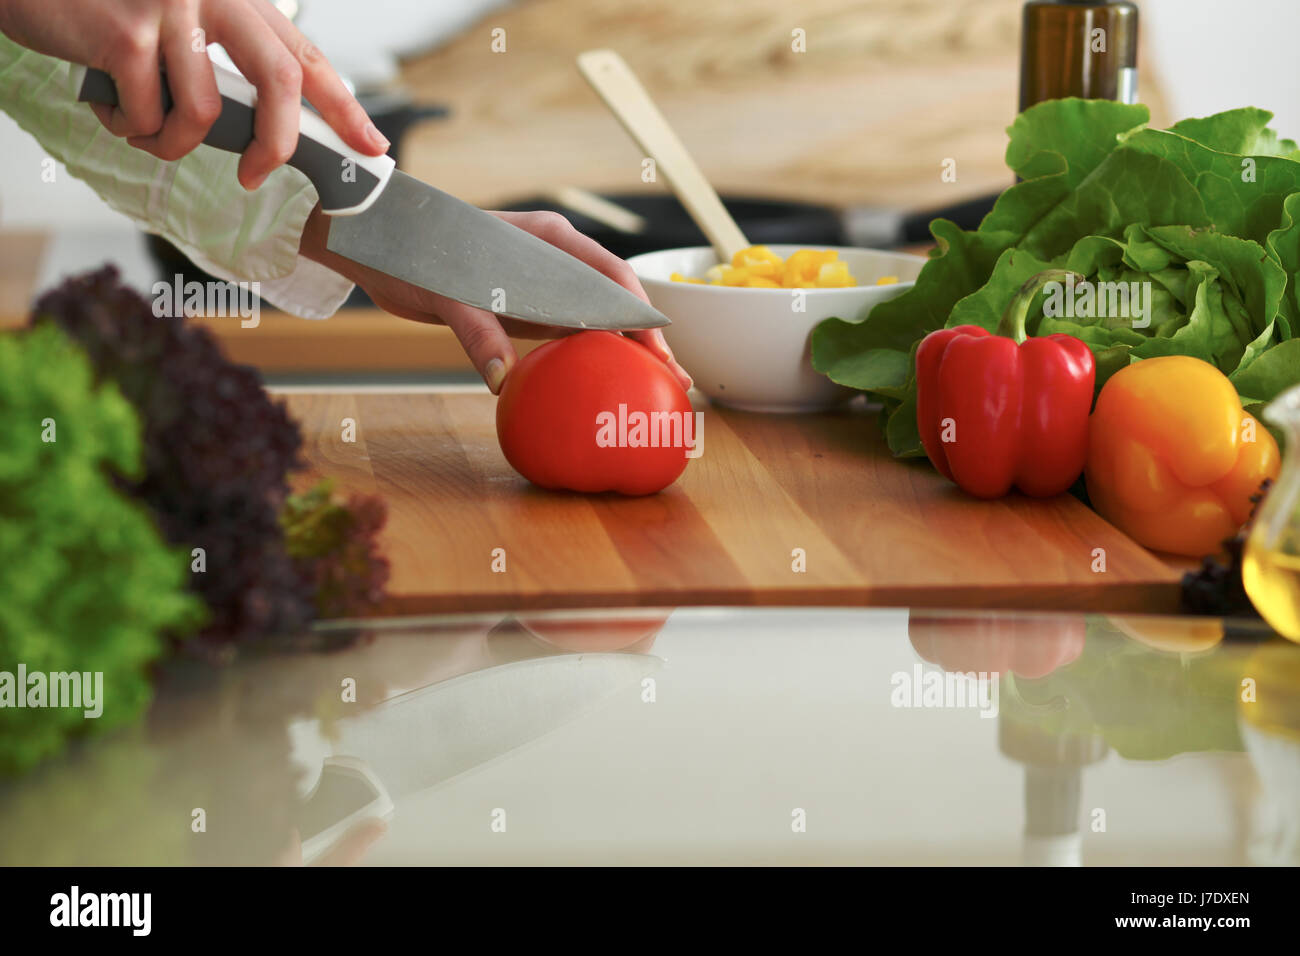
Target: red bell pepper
996, 411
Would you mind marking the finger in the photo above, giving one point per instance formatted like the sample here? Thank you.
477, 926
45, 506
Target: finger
323, 88
135, 72
196, 103
654, 340
483, 339
104, 114
270, 67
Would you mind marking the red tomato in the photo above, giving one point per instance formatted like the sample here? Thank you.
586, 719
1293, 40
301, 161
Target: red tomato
635, 630
576, 414
1030, 646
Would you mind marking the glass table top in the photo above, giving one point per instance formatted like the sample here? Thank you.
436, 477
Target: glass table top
730, 736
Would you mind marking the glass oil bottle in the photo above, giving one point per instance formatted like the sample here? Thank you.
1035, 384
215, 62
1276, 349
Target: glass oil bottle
1271, 568
1084, 48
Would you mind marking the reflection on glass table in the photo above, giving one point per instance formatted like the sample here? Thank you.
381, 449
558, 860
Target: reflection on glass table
702, 736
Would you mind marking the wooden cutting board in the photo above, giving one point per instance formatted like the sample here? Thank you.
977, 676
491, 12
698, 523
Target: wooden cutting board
873, 530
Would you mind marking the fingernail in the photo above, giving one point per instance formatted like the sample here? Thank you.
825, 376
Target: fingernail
494, 373
376, 137
663, 344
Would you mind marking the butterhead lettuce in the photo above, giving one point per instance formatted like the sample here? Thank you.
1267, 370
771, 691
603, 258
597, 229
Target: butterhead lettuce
1199, 222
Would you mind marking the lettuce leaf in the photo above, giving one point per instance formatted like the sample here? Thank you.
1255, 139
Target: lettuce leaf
1203, 217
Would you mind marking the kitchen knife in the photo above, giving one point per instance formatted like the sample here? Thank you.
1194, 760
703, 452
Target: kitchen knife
392, 222
426, 737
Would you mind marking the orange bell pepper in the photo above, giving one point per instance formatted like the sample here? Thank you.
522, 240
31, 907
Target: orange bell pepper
1173, 459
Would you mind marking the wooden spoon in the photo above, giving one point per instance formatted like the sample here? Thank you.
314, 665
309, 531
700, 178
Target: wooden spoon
611, 77
598, 208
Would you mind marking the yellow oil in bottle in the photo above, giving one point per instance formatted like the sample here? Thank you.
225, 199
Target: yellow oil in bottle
1271, 565
1272, 579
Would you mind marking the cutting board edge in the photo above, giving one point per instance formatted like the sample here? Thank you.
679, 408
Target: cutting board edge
1161, 597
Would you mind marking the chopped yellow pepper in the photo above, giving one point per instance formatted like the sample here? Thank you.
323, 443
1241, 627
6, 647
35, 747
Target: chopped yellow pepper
758, 267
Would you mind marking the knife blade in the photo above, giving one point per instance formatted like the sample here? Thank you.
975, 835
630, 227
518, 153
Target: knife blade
426, 737
386, 220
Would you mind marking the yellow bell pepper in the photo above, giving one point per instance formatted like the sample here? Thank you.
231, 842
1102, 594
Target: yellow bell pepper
802, 267
759, 261
1173, 459
1175, 635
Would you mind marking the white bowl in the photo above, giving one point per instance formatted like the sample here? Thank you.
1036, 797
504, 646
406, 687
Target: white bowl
749, 348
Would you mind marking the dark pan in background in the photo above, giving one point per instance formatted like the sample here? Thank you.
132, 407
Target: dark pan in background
669, 227
765, 221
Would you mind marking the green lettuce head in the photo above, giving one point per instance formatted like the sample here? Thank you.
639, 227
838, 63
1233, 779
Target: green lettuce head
86, 583
1197, 226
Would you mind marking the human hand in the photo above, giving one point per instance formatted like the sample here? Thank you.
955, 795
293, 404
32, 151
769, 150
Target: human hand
130, 39
484, 336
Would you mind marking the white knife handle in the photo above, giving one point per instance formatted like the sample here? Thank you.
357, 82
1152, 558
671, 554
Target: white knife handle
346, 181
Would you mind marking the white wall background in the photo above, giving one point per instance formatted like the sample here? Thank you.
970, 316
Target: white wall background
1210, 55
1214, 55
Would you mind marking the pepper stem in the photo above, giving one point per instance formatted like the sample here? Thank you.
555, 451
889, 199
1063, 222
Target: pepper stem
1013, 319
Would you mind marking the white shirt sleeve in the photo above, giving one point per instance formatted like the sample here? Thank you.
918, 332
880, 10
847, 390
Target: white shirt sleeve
195, 202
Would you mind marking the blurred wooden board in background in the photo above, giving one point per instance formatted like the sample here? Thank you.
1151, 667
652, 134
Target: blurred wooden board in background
885, 92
